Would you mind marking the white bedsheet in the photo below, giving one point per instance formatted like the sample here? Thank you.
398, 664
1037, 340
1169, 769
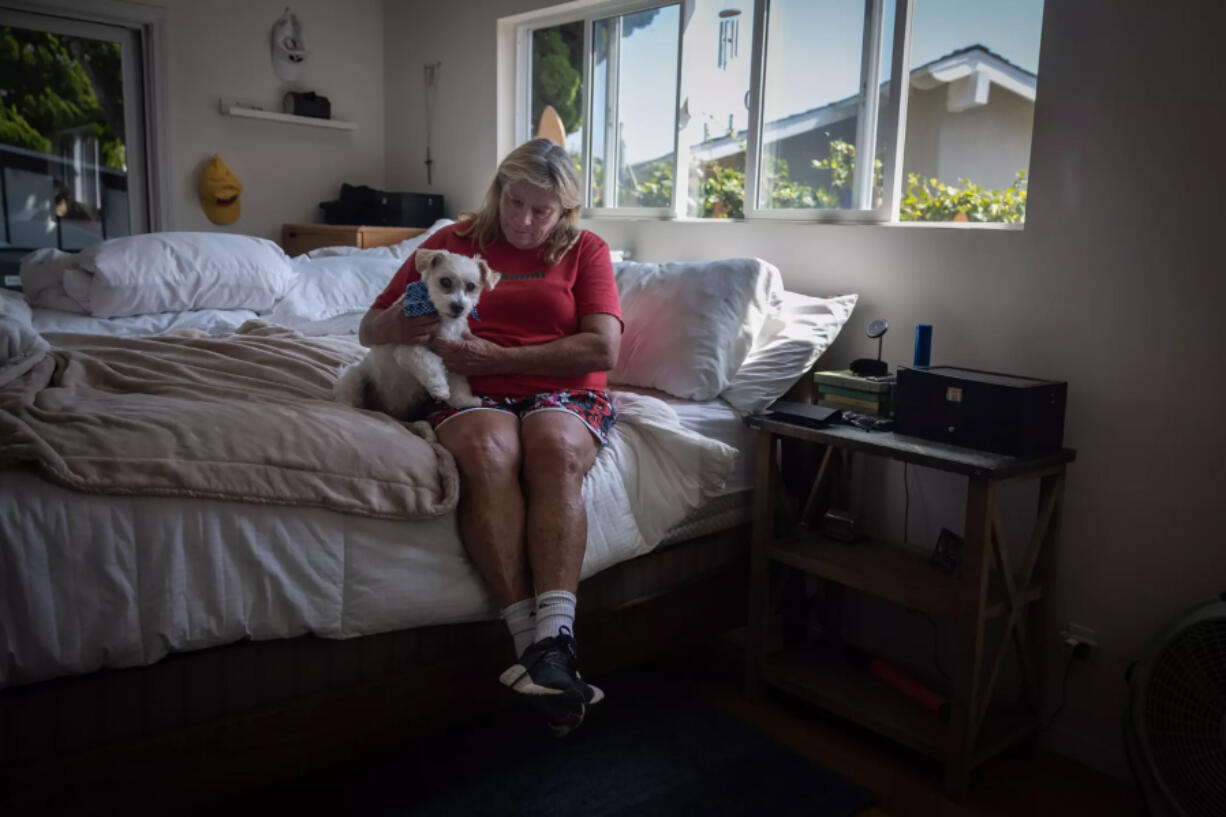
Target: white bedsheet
90, 581
719, 421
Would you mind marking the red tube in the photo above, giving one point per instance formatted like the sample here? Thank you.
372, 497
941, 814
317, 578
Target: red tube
910, 687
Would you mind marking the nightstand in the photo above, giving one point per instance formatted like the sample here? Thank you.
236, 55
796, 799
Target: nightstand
978, 726
299, 238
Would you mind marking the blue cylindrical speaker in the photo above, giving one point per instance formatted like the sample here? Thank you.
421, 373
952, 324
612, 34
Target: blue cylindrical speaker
923, 344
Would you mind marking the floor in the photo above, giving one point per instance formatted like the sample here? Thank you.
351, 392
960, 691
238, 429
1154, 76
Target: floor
1018, 783
1015, 784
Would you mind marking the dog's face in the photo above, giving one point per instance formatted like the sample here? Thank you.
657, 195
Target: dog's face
455, 282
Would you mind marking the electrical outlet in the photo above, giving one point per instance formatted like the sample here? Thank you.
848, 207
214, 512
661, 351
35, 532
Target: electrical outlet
1075, 634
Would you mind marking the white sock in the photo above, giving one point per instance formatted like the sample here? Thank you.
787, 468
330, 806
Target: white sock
555, 609
520, 619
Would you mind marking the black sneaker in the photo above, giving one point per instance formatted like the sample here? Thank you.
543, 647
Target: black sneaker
548, 677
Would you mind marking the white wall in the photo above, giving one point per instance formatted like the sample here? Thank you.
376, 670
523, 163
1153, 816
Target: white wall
1115, 285
221, 49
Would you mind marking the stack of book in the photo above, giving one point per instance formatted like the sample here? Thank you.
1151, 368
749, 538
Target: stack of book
851, 392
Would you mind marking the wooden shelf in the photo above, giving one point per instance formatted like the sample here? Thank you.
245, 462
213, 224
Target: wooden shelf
230, 108
942, 456
825, 679
889, 570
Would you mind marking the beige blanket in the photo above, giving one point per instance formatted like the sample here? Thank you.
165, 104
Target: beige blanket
247, 416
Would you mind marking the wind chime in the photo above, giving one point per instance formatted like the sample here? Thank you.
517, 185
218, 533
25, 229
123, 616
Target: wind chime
431, 93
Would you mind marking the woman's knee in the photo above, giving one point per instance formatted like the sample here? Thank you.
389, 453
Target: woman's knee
554, 452
486, 453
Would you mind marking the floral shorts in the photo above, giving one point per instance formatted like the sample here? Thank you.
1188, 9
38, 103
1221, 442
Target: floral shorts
592, 406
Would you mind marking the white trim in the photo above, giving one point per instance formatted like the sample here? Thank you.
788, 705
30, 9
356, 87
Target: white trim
895, 135
753, 136
589, 77
652, 213
975, 68
681, 170
612, 110
523, 85
870, 96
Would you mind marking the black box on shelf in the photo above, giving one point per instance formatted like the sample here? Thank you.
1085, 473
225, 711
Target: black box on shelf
307, 103
408, 209
990, 411
359, 204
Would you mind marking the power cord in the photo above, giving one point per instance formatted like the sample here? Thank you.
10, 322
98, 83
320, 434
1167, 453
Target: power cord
1080, 653
906, 509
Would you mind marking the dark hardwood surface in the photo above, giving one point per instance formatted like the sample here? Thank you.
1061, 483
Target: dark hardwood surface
1023, 781
1017, 783
956, 459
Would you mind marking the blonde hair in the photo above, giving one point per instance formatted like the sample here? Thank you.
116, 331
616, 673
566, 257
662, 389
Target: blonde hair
544, 164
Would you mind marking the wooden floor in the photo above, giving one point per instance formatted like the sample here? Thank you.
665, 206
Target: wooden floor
1018, 783
1014, 784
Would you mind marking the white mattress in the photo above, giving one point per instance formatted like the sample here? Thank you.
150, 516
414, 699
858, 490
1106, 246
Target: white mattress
90, 581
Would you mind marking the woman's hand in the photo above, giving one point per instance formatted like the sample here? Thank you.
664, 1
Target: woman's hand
470, 355
391, 325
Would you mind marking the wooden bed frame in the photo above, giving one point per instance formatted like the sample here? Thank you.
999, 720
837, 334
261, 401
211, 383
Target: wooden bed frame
202, 726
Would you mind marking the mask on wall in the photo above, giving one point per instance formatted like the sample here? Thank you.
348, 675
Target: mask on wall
289, 50
219, 190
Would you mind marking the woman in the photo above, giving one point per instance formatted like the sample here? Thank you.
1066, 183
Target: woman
537, 359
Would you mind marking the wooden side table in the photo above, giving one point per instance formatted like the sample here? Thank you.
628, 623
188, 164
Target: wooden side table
978, 727
299, 238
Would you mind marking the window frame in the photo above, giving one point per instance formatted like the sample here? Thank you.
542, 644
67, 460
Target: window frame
890, 121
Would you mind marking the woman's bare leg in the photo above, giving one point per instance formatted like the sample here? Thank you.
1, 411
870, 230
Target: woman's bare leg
487, 450
558, 449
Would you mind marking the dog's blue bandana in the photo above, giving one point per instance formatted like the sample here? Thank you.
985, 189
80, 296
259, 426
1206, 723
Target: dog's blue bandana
417, 301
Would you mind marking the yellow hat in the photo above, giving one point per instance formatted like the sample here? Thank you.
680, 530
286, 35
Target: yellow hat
219, 190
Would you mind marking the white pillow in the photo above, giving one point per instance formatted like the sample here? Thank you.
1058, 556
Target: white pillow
690, 326
169, 272
20, 346
333, 285
786, 348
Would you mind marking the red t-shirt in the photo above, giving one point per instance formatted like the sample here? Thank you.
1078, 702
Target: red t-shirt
532, 303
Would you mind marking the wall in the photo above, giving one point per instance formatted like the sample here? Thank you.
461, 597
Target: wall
1114, 285
221, 49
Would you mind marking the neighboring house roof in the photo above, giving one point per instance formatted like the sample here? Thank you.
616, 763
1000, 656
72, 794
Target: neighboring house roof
968, 72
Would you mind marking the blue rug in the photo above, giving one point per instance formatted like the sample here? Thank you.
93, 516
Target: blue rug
655, 747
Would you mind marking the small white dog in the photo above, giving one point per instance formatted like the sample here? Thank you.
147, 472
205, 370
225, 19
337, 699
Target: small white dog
397, 378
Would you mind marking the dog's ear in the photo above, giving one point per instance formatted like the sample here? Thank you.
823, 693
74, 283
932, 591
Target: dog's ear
489, 278
426, 259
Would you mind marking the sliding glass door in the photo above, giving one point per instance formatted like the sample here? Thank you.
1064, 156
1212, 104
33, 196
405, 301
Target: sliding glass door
72, 148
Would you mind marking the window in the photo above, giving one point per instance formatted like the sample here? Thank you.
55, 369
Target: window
73, 137
764, 108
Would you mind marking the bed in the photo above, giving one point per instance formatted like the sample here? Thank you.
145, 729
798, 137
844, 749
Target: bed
210, 634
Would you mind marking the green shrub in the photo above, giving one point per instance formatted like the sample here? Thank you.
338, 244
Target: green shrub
936, 201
